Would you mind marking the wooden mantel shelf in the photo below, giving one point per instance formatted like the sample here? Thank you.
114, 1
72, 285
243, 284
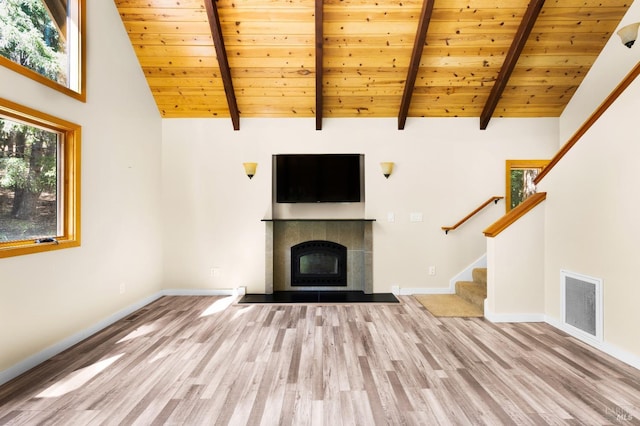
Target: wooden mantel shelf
505, 221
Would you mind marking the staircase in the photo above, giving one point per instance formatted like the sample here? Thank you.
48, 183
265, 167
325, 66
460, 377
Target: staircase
468, 300
474, 291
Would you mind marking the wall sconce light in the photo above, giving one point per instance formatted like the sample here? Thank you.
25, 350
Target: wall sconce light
628, 34
387, 168
250, 169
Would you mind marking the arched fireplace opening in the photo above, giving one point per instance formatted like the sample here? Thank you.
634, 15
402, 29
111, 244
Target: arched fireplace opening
318, 263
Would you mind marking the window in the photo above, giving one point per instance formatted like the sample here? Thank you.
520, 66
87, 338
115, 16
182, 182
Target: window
43, 40
39, 181
519, 180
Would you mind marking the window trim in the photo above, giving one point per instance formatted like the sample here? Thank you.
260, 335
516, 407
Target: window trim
519, 165
70, 180
33, 75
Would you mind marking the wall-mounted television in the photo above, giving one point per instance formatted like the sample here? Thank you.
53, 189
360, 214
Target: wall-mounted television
318, 178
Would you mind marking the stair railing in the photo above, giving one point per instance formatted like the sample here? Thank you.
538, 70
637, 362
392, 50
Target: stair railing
514, 214
493, 199
590, 121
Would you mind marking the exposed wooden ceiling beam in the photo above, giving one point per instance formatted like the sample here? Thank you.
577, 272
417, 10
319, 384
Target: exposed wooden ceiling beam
223, 63
414, 64
319, 44
528, 21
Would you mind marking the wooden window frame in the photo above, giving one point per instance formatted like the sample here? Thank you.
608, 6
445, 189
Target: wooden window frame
519, 164
71, 157
80, 95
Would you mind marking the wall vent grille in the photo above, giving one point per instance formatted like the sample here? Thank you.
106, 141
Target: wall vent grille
582, 304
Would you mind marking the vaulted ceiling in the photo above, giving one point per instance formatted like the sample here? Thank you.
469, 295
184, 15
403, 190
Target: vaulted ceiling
367, 58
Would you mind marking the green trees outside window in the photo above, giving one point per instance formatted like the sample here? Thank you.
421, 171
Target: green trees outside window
28, 182
29, 37
42, 39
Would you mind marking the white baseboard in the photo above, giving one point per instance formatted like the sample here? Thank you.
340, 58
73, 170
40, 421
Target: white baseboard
514, 317
198, 292
493, 317
467, 273
412, 291
609, 349
40, 357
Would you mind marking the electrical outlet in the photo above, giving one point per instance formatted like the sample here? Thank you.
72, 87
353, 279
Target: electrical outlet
123, 287
391, 217
432, 270
215, 272
415, 217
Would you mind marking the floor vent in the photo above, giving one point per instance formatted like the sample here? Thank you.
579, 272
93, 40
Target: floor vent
582, 304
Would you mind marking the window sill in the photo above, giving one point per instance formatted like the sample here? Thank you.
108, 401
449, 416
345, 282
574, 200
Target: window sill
31, 247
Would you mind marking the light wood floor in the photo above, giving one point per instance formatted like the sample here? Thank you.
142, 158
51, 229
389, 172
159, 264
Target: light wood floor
193, 360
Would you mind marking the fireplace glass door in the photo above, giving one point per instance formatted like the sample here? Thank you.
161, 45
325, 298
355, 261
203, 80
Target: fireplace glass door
318, 263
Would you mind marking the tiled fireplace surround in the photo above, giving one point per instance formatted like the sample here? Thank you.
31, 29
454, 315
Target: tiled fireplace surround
355, 234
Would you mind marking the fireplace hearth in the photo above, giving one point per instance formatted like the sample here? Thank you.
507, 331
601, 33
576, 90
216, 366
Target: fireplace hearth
318, 263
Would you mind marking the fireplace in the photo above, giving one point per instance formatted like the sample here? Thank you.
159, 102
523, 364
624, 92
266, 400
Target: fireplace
354, 235
318, 263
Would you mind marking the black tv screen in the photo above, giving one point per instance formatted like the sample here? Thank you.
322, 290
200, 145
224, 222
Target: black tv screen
317, 178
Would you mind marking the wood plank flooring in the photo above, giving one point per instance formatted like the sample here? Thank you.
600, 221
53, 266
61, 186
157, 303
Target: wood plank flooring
201, 361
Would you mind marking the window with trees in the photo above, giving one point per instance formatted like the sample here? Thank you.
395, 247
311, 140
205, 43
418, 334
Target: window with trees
520, 175
42, 39
39, 181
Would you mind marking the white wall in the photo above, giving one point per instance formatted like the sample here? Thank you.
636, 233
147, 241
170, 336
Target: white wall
515, 268
47, 297
609, 69
593, 205
445, 168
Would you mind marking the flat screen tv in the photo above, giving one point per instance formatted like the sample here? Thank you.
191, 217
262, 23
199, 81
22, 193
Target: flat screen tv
318, 178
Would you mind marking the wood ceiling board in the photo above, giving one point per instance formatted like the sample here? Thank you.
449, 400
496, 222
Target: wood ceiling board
357, 109
283, 94
185, 72
373, 14
178, 62
588, 3
267, 15
179, 4
367, 49
268, 4
274, 73
579, 49
294, 107
146, 14
167, 28
371, 90
598, 13
170, 40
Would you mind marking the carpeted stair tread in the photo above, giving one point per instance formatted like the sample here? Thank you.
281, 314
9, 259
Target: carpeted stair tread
472, 292
468, 301
449, 305
480, 275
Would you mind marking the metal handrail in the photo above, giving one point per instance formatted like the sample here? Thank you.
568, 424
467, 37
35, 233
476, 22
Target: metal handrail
493, 199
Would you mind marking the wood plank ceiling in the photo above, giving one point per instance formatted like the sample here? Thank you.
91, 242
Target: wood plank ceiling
480, 58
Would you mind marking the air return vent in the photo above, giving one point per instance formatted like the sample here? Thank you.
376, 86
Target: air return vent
582, 304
